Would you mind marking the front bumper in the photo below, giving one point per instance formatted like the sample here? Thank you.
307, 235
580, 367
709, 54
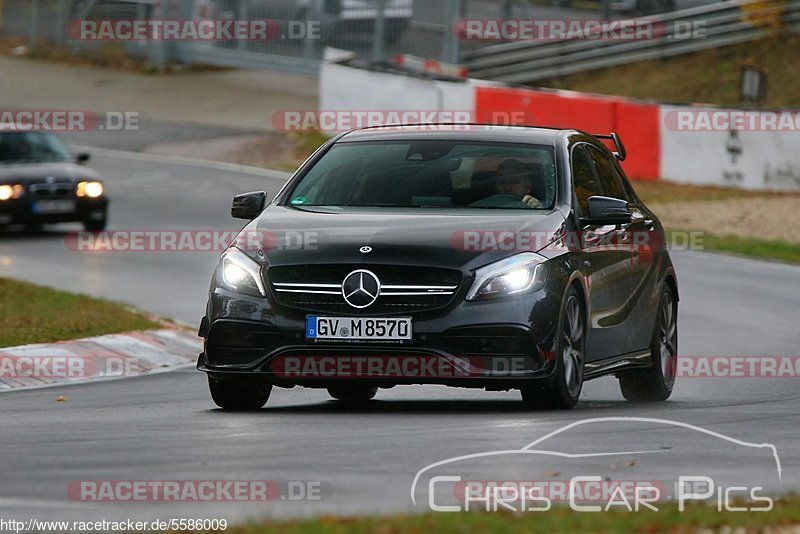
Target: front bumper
492, 344
21, 211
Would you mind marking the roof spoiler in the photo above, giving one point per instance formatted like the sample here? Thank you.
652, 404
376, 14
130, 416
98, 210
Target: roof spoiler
620, 153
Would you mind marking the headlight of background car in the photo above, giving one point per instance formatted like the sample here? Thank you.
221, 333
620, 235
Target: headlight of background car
523, 272
90, 189
238, 272
11, 191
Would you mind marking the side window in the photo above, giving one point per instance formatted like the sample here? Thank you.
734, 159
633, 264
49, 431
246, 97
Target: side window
584, 182
609, 178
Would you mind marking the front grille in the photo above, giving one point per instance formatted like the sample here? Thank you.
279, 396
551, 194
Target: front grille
404, 289
52, 190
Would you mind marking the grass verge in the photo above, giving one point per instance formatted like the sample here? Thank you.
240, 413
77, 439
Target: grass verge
663, 195
667, 80
658, 191
34, 314
755, 248
107, 54
784, 517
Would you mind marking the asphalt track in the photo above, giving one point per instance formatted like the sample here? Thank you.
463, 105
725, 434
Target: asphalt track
165, 427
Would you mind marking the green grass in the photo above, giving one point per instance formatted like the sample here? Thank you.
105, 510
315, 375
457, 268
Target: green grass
710, 76
786, 512
659, 191
665, 192
303, 144
756, 248
36, 314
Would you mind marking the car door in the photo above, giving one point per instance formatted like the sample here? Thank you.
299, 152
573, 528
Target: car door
604, 265
632, 241
647, 243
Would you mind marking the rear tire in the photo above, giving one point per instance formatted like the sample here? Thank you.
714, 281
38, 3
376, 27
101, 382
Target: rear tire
239, 395
562, 390
655, 383
353, 392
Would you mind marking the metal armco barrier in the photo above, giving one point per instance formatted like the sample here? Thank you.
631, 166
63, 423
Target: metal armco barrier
721, 24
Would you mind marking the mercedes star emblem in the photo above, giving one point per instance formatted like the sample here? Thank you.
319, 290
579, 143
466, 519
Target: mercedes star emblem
361, 288
365, 250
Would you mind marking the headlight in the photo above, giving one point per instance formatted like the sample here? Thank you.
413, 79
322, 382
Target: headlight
238, 272
11, 191
90, 189
523, 272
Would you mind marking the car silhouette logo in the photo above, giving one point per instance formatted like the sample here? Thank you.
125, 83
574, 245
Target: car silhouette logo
361, 288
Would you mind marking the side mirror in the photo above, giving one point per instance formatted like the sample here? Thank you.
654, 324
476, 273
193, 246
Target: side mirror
83, 157
248, 205
607, 210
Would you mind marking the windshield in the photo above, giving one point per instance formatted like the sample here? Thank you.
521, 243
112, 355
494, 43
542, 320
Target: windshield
31, 147
433, 174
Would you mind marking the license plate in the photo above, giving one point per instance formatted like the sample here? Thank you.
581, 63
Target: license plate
358, 328
44, 207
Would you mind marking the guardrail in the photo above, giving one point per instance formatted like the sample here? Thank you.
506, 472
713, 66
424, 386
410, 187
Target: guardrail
375, 29
724, 23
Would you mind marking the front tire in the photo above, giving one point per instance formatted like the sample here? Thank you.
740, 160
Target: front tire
94, 226
353, 392
655, 383
239, 395
562, 390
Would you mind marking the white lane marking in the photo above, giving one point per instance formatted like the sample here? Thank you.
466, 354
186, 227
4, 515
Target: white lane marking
180, 160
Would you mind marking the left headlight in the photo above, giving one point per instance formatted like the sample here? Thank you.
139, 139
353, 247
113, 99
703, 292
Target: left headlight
238, 272
517, 274
11, 191
90, 189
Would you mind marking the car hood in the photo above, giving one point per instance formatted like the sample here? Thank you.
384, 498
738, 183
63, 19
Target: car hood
35, 172
298, 236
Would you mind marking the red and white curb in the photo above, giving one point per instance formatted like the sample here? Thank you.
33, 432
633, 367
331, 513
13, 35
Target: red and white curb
102, 357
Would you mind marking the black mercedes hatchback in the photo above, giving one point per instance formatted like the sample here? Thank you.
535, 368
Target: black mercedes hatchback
471, 256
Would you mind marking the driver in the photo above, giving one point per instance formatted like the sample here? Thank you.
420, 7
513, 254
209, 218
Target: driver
513, 180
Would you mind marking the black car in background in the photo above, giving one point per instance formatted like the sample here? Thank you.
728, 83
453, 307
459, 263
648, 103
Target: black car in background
489, 257
41, 182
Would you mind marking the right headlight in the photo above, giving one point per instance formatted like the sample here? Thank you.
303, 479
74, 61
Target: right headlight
509, 276
91, 189
236, 271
